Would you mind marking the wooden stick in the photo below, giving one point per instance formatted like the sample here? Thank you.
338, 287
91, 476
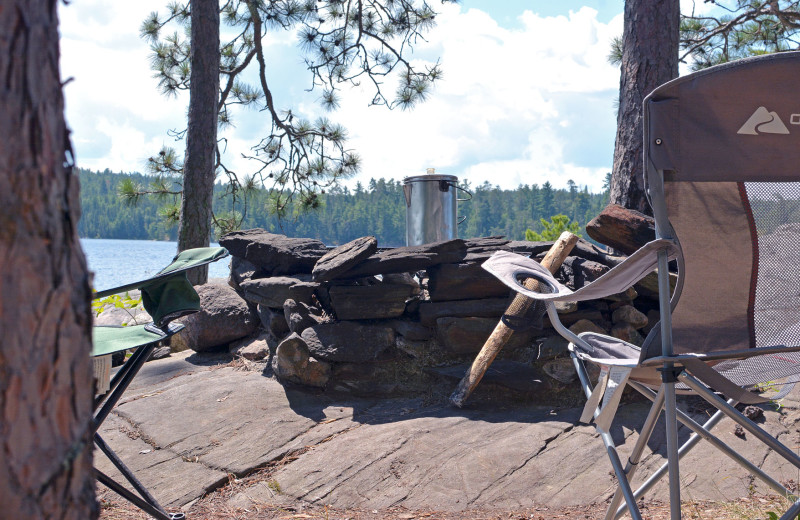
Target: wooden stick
501, 334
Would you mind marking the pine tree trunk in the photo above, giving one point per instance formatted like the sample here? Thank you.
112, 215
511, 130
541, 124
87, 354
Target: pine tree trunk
201, 134
45, 370
649, 58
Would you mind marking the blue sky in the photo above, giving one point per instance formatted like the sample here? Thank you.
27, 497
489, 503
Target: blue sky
527, 95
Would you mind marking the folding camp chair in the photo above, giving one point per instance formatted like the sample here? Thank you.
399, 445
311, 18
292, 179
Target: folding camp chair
166, 296
722, 174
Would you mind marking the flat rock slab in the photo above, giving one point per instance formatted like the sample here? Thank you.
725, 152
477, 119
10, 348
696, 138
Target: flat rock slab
343, 258
203, 422
274, 254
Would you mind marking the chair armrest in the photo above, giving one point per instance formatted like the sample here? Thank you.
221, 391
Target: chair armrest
510, 267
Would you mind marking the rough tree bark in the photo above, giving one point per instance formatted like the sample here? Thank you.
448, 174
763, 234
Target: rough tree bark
45, 321
201, 134
649, 58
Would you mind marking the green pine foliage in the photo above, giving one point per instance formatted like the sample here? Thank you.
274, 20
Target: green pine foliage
553, 229
377, 209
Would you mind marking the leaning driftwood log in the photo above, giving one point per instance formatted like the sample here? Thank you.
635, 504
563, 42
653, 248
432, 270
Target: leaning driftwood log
501, 334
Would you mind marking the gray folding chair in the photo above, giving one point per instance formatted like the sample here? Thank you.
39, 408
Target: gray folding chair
722, 159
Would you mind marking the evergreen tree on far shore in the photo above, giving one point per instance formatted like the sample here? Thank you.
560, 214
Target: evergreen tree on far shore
377, 209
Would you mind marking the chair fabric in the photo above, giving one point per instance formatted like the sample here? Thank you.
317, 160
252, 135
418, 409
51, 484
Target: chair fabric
166, 296
722, 174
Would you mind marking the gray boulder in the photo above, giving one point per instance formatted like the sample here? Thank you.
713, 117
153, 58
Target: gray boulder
275, 254
349, 342
224, 317
292, 362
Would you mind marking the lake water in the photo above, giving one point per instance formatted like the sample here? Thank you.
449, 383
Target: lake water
117, 262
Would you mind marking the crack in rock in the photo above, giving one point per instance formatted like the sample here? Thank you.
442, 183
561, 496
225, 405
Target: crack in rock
546, 443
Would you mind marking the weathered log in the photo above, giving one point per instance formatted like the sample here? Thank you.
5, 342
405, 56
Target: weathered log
625, 230
501, 334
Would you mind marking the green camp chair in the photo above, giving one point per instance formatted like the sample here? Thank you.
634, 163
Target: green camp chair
166, 296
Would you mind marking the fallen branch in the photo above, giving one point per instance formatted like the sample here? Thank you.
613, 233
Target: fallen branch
502, 333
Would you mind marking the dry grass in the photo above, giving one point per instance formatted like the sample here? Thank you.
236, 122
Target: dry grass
217, 506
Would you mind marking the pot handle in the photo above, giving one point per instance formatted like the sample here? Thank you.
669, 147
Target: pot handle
463, 200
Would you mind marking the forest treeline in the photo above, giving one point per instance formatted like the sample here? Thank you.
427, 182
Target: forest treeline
377, 208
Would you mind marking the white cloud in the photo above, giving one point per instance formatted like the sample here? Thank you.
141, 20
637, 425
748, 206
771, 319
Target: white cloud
505, 111
113, 106
523, 105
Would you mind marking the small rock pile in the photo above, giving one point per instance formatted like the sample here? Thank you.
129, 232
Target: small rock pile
393, 321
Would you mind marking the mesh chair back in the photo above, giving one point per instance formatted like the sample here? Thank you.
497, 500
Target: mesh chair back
723, 172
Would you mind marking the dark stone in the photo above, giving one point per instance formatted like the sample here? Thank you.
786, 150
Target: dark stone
468, 335
577, 271
293, 363
623, 229
275, 254
363, 302
348, 341
242, 270
753, 412
552, 347
300, 316
224, 317
589, 251
343, 258
273, 291
274, 322
412, 330
429, 312
403, 279
463, 281
409, 259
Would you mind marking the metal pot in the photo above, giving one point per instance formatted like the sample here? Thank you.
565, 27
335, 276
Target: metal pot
431, 205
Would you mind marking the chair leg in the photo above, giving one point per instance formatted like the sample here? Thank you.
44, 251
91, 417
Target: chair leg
131, 368
636, 453
611, 450
700, 432
126, 472
145, 506
746, 423
792, 512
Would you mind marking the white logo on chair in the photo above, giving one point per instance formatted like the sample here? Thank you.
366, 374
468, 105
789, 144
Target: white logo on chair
763, 122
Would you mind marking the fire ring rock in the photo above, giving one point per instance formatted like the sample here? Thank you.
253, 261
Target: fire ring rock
224, 317
348, 341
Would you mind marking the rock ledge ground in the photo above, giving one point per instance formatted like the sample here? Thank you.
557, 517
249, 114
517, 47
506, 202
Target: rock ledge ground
192, 423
